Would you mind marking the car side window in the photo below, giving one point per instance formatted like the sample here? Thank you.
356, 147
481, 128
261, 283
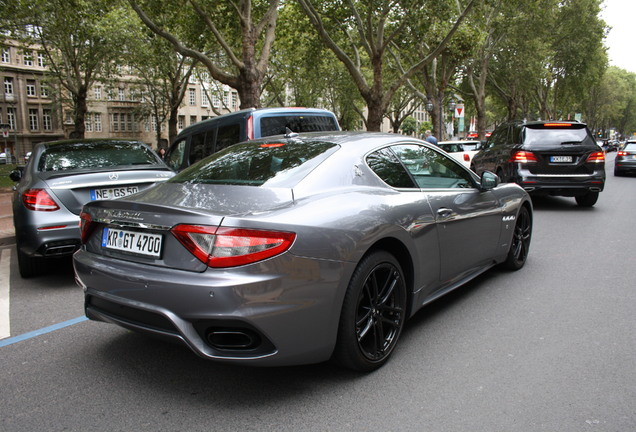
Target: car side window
197, 147
388, 167
431, 169
175, 158
227, 135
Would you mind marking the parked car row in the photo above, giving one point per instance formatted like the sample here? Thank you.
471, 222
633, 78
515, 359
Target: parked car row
255, 244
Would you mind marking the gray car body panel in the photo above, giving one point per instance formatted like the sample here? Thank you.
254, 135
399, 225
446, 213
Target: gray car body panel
339, 212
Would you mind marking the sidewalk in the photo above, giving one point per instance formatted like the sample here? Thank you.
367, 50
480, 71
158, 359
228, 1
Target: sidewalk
7, 234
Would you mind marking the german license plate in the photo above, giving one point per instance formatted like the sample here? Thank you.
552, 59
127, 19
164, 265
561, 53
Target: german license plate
561, 159
130, 241
113, 193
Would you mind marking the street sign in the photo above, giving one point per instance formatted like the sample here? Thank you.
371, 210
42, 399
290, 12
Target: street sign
459, 111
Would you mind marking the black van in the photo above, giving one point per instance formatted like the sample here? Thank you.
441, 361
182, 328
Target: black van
209, 136
558, 158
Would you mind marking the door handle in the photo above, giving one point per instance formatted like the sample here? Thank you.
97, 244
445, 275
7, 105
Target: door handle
444, 212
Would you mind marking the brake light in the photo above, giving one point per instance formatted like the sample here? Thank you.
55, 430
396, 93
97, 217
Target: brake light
622, 153
523, 157
39, 200
86, 226
596, 157
557, 124
231, 247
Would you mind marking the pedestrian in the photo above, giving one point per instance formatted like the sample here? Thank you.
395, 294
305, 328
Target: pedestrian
162, 153
430, 138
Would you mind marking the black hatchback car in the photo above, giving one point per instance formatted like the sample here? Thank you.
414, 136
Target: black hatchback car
546, 158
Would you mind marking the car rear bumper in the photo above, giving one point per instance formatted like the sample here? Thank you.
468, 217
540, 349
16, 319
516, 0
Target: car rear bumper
233, 315
561, 185
625, 166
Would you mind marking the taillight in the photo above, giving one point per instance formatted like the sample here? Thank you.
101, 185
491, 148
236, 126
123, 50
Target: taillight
250, 127
596, 157
86, 226
39, 200
622, 153
523, 157
231, 247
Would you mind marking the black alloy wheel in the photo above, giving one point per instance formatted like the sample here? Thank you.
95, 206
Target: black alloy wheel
373, 313
520, 244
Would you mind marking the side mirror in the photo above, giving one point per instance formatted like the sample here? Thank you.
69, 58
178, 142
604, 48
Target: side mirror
16, 174
489, 180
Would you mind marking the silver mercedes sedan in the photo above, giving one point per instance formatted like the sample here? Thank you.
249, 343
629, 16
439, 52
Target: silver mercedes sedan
60, 178
300, 248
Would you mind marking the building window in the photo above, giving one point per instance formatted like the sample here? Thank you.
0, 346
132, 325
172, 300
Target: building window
88, 122
193, 119
234, 100
33, 119
204, 97
11, 118
44, 89
98, 122
153, 123
122, 94
97, 91
27, 57
216, 101
8, 86
123, 122
41, 60
47, 119
181, 122
193, 96
30, 88
6, 55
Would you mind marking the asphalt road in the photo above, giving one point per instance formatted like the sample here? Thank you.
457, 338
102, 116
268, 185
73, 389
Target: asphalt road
551, 347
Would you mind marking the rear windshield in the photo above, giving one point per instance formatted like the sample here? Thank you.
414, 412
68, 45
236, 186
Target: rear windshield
78, 156
630, 147
272, 164
275, 125
556, 136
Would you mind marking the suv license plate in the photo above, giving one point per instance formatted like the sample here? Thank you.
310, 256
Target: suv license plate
561, 159
130, 241
113, 193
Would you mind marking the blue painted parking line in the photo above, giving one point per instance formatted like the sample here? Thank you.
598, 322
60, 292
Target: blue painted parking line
41, 331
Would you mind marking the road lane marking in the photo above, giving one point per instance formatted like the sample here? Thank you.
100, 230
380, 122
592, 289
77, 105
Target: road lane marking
5, 268
41, 331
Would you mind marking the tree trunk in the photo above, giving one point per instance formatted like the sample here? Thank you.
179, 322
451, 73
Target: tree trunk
80, 108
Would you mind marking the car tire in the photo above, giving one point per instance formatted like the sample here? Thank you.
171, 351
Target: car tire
587, 200
373, 313
520, 243
29, 266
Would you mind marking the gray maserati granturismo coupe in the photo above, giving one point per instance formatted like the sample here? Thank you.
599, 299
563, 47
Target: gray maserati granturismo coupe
298, 249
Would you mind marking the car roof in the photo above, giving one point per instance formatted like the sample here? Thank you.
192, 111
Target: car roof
245, 113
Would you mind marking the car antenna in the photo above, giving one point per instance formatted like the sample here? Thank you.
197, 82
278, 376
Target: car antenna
289, 133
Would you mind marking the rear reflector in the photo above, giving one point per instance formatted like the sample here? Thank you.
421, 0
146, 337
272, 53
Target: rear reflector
231, 247
39, 200
466, 157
